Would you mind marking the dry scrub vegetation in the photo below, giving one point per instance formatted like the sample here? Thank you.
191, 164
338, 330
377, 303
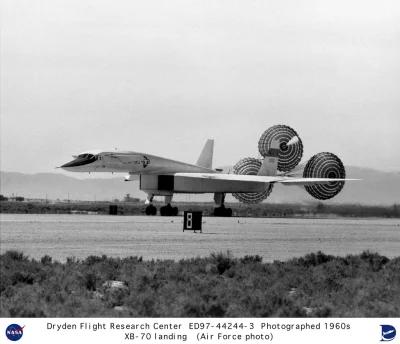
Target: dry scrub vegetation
316, 285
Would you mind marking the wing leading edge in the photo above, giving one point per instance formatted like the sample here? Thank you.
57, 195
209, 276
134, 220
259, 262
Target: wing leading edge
262, 179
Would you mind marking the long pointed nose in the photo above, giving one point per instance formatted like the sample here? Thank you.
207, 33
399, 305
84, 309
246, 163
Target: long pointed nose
79, 161
76, 162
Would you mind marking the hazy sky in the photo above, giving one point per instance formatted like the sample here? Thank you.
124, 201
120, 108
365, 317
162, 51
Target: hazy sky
164, 76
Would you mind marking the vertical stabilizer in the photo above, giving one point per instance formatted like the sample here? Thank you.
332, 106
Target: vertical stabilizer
270, 164
206, 156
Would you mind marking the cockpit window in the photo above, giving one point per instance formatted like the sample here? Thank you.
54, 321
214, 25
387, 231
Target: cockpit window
86, 156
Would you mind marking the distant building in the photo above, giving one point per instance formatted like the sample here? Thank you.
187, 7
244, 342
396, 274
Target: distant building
16, 199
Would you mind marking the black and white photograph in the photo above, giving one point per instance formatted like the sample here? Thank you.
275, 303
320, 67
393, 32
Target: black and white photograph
218, 171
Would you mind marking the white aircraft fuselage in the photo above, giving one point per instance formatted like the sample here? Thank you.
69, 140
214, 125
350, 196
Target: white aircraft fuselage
164, 177
134, 163
160, 176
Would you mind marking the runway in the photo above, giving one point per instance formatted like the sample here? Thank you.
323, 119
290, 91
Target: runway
62, 236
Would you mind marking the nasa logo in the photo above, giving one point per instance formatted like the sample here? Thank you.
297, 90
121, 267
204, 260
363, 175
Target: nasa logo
145, 161
14, 332
388, 333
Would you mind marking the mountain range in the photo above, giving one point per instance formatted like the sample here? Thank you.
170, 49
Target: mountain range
376, 188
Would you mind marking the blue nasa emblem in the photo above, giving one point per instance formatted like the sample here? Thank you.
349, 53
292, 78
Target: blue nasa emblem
388, 333
14, 332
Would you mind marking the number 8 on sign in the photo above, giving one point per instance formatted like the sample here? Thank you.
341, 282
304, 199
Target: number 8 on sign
189, 220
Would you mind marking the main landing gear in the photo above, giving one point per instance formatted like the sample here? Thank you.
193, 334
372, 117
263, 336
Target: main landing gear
222, 211
168, 210
151, 209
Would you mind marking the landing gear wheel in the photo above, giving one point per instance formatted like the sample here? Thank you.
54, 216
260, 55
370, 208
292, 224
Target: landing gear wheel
168, 210
223, 212
151, 210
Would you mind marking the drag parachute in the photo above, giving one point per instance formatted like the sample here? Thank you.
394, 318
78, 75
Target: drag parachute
321, 165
